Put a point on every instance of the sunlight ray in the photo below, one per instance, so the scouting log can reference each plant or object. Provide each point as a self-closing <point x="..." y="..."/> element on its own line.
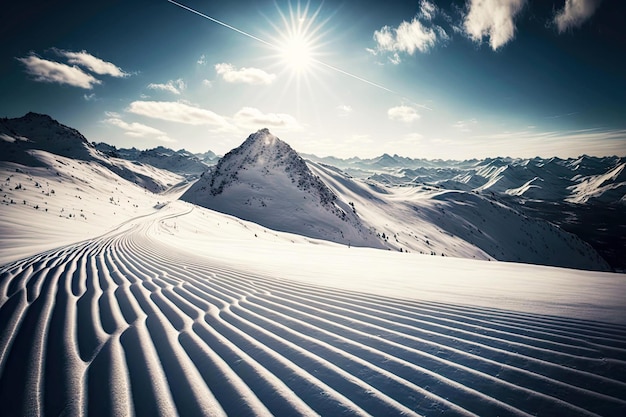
<point x="299" y="58"/>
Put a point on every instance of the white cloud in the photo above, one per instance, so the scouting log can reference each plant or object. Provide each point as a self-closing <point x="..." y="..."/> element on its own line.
<point x="492" y="19"/>
<point x="56" y="72"/>
<point x="427" y="10"/>
<point x="247" y="117"/>
<point x="344" y="110"/>
<point x="173" y="86"/>
<point x="178" y="112"/>
<point x="244" y="75"/>
<point x="412" y="36"/>
<point x="92" y="63"/>
<point x="207" y="83"/>
<point x="201" y="60"/>
<point x="250" y="116"/>
<point x="90" y="97"/>
<point x="403" y="113"/>
<point x="407" y="37"/>
<point x="138" y="130"/>
<point x="575" y="13"/>
<point x="530" y="143"/>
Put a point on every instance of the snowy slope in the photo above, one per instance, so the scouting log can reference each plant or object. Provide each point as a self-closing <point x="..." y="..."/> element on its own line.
<point x="457" y="223"/>
<point x="184" y="312"/>
<point x="65" y="200"/>
<point x="264" y="180"/>
<point x="605" y="187"/>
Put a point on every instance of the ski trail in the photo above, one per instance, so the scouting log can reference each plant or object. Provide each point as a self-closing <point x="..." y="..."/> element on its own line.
<point x="127" y="324"/>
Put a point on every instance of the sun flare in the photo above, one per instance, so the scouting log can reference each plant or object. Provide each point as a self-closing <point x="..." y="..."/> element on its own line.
<point x="296" y="52"/>
<point x="299" y="38"/>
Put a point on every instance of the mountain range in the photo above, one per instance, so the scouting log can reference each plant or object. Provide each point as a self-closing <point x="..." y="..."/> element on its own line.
<point x="494" y="209"/>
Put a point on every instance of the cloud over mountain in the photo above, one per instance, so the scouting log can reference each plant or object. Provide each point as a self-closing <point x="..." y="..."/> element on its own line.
<point x="135" y="129"/>
<point x="250" y="116"/>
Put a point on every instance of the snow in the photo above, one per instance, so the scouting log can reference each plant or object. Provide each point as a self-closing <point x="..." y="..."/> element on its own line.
<point x="185" y="311"/>
<point x="610" y="186"/>
<point x="149" y="305"/>
<point x="64" y="200"/>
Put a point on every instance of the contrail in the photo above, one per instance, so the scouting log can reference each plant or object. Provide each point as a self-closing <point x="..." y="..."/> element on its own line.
<point x="339" y="70"/>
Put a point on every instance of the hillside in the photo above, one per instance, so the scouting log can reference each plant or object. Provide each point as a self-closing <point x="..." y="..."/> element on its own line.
<point x="457" y="223"/>
<point x="21" y="138"/>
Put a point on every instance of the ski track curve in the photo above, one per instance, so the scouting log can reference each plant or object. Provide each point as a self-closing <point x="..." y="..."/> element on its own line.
<point x="124" y="325"/>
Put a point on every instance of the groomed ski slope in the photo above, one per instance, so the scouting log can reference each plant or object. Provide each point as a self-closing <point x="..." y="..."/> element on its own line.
<point x="191" y="312"/>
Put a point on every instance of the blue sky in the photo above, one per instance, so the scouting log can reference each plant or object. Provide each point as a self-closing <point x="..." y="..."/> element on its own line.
<point x="434" y="79"/>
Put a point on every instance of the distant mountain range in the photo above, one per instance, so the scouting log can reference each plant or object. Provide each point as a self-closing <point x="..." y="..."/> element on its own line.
<point x="504" y="209"/>
<point x="576" y="180"/>
<point x="181" y="162"/>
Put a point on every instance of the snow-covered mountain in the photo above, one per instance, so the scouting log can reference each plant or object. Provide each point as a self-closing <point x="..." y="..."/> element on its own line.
<point x="181" y="162"/>
<point x="584" y="196"/>
<point x="265" y="181"/>
<point x="21" y="140"/>
<point x="576" y="180"/>
<point x="39" y="131"/>
<point x="208" y="157"/>
<point x="458" y="223"/>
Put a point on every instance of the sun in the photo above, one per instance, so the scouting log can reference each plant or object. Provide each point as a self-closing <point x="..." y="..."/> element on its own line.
<point x="297" y="53"/>
<point x="299" y="39"/>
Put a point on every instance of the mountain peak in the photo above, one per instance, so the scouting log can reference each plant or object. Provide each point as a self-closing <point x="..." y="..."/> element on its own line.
<point x="266" y="155"/>
<point x="264" y="180"/>
<point x="263" y="138"/>
<point x="32" y="115"/>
